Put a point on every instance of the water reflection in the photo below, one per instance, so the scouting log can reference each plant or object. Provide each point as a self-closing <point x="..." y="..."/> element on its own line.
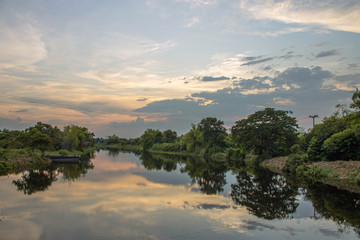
<point x="209" y="175"/>
<point x="155" y="193"/>
<point x="340" y="206"/>
<point x="159" y="161"/>
<point x="35" y="181"/>
<point x="265" y="194"/>
<point x="38" y="180"/>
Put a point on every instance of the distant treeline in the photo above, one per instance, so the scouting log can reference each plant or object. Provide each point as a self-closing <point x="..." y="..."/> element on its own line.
<point x="267" y="133"/>
<point x="45" y="137"/>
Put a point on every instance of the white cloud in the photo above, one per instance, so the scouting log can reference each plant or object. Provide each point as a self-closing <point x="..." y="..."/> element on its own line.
<point x="118" y="46"/>
<point x="192" y="22"/>
<point x="20" y="45"/>
<point x="283" y="101"/>
<point x="335" y="15"/>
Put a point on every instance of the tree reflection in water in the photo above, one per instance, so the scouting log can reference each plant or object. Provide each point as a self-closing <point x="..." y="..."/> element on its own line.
<point x="37" y="180"/>
<point x="266" y="194"/>
<point x="340" y="206"/>
<point x="208" y="174"/>
<point x="159" y="161"/>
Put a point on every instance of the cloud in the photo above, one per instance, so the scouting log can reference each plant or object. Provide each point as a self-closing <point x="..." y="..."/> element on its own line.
<point x="141" y="99"/>
<point x="137" y="127"/>
<point x="247" y="59"/>
<point x="257" y="61"/>
<point x="192" y="22"/>
<point x="327" y="53"/>
<point x="305" y="78"/>
<point x="118" y="47"/>
<point x="283" y="101"/>
<point x="321" y="44"/>
<point x="21" y="43"/>
<point x="334" y="15"/>
<point x="352" y="66"/>
<point x="298" y="89"/>
<point x="17" y="123"/>
<point x="289" y="55"/>
<point x="87" y="107"/>
<point x="20" y="110"/>
<point x="212" y="79"/>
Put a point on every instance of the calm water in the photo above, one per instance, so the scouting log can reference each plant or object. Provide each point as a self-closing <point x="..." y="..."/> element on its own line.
<point x="126" y="196"/>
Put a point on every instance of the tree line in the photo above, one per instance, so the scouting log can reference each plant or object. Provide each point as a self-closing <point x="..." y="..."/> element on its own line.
<point x="268" y="133"/>
<point x="45" y="137"/>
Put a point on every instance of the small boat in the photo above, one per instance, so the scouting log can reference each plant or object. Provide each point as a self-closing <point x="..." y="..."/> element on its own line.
<point x="64" y="158"/>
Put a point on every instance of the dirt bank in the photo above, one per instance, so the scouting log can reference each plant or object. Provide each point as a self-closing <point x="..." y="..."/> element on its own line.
<point x="342" y="174"/>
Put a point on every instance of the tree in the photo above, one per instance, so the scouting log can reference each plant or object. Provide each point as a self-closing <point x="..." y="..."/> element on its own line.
<point x="149" y="138"/>
<point x="214" y="133"/>
<point x="77" y="138"/>
<point x="356" y="100"/>
<point x="53" y="132"/>
<point x="270" y="132"/>
<point x="169" y="136"/>
<point x="193" y="139"/>
<point x="38" y="140"/>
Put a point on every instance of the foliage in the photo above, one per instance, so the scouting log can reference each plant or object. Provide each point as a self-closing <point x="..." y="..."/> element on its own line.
<point x="5" y="168"/>
<point x="169" y="136"/>
<point x="342" y="145"/>
<point x="235" y="158"/>
<point x="45" y="137"/>
<point x="77" y="138"/>
<point x="294" y="161"/>
<point x="37" y="140"/>
<point x="213" y="132"/>
<point x="149" y="138"/>
<point x="10" y="139"/>
<point x="169" y="147"/>
<point x="356" y="100"/>
<point x="269" y="132"/>
<point x="193" y="139"/>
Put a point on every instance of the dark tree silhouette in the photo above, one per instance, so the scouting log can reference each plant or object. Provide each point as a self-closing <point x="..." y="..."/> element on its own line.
<point x="266" y="195"/>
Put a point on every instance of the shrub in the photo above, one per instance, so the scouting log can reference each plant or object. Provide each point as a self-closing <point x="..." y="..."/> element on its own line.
<point x="294" y="161"/>
<point x="341" y="146"/>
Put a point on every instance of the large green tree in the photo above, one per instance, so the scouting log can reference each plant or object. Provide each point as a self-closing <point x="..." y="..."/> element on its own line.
<point x="35" y="139"/>
<point x="268" y="132"/>
<point x="213" y="132"/>
<point x="150" y="137"/>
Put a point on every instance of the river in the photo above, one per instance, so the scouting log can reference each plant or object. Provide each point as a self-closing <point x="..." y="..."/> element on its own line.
<point x="122" y="195"/>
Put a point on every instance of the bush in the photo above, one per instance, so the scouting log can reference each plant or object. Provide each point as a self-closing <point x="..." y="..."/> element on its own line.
<point x="169" y="147"/>
<point x="342" y="146"/>
<point x="5" y="168"/>
<point x="294" y="161"/>
<point x="64" y="152"/>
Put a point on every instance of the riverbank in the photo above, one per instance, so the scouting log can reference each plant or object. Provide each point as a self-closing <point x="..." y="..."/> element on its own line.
<point x="341" y="174"/>
<point x="19" y="160"/>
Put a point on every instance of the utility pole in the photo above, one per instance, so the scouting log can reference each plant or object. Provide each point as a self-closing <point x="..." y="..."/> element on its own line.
<point x="313" y="117"/>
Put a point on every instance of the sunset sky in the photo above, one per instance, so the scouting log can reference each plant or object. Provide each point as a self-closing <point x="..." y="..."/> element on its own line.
<point x="120" y="67"/>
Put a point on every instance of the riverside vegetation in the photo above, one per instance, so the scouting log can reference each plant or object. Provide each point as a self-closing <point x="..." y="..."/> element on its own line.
<point x="25" y="150"/>
<point x="261" y="136"/>
<point x="329" y="152"/>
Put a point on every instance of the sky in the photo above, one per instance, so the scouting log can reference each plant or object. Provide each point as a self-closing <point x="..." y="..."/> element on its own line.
<point x="120" y="67"/>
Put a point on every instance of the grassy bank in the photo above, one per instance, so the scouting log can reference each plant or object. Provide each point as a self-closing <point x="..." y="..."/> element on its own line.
<point x="342" y="174"/>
